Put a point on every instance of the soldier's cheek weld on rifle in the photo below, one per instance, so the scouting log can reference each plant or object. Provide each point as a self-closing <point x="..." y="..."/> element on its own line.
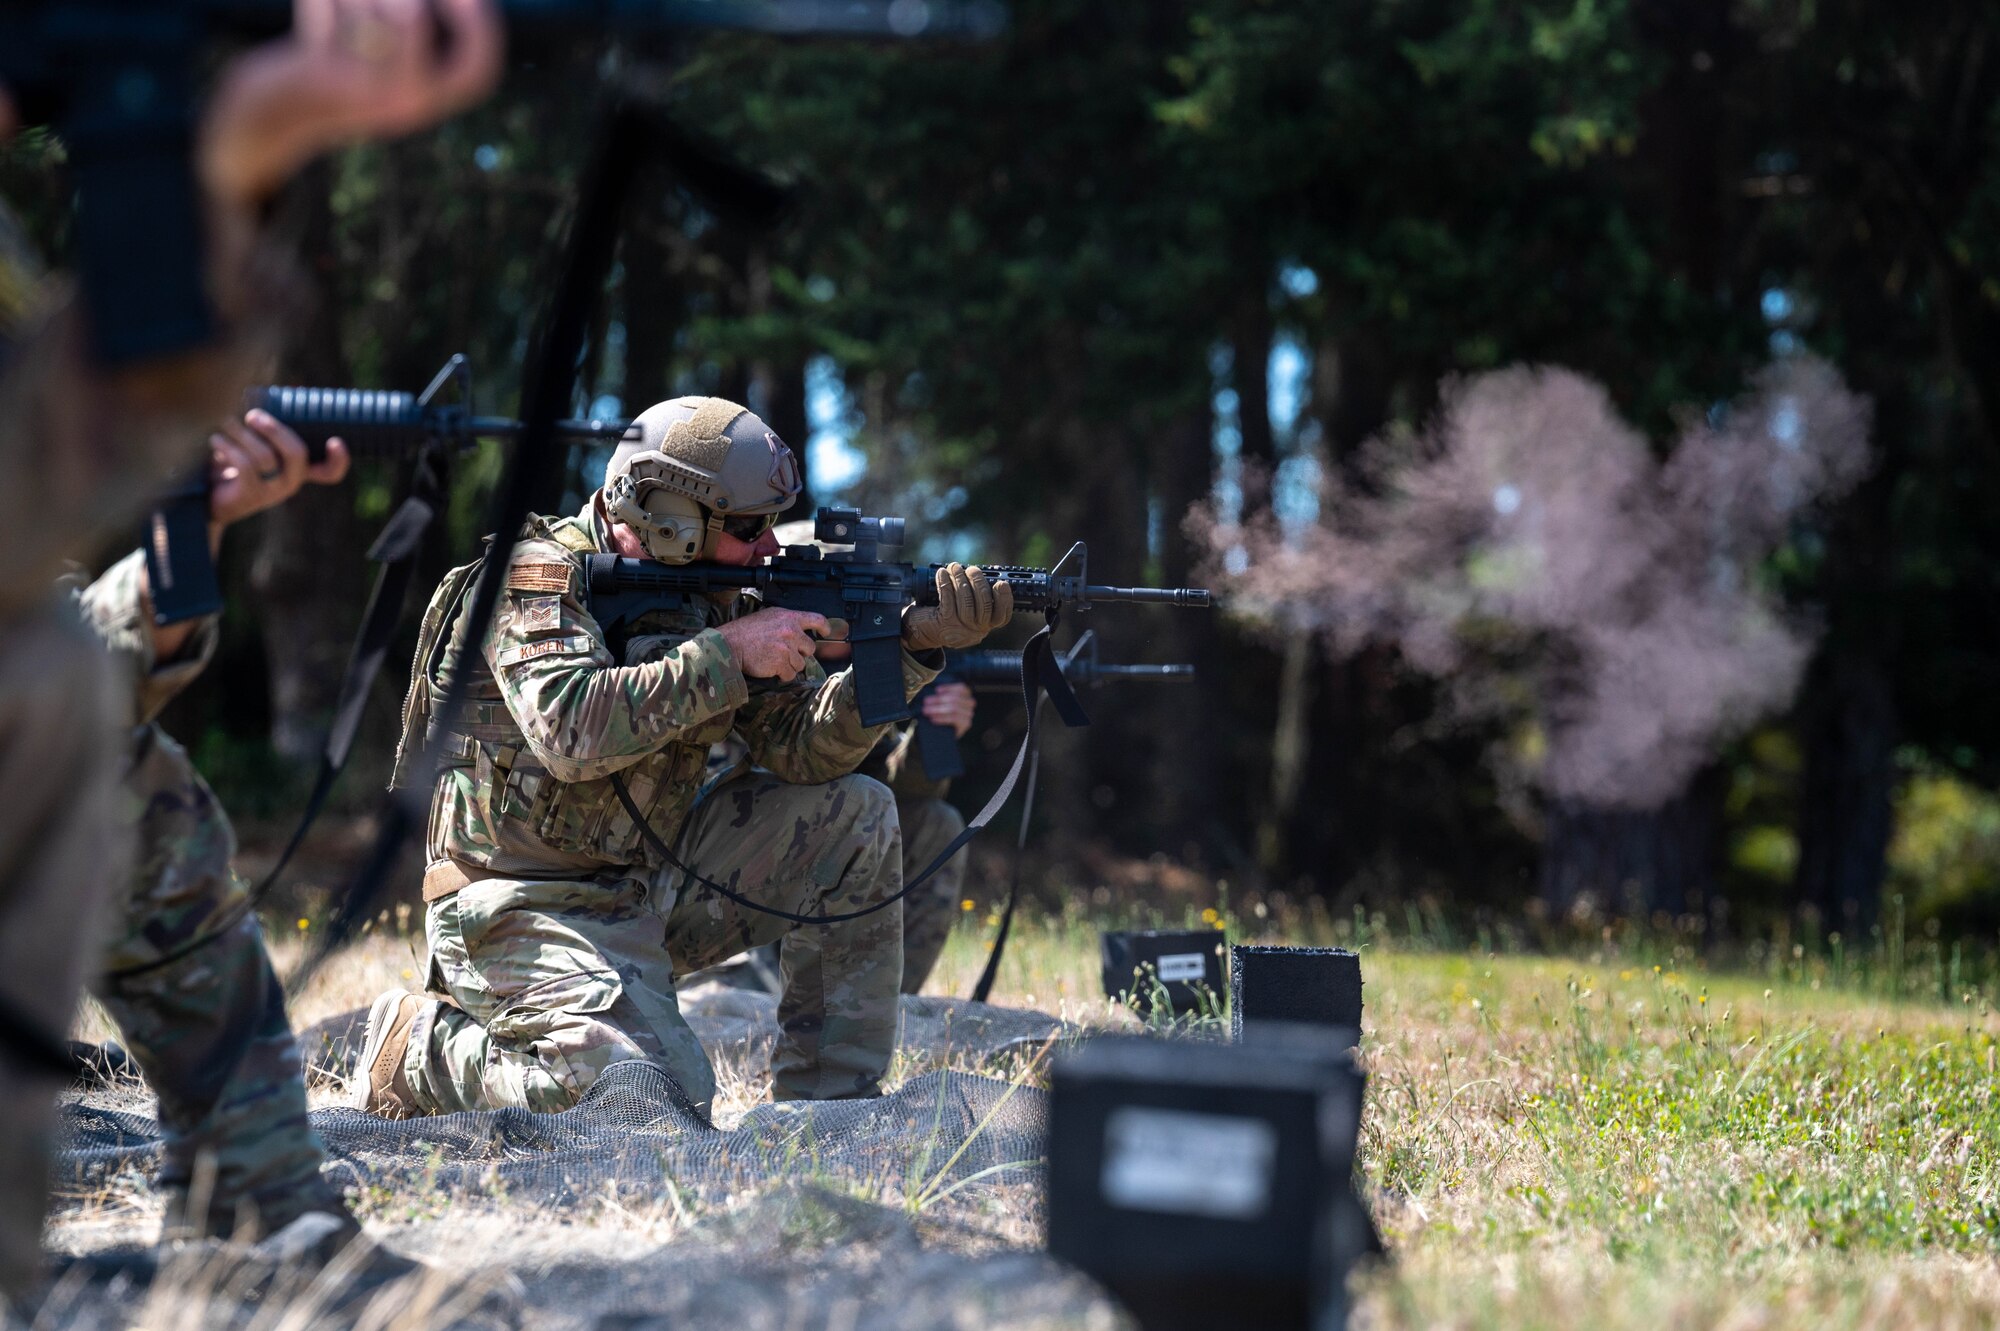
<point x="863" y="589"/>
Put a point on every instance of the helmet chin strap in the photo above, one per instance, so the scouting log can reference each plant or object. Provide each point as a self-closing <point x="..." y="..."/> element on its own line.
<point x="711" y="541"/>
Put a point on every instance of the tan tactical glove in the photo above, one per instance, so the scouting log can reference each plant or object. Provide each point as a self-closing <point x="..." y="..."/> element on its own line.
<point x="970" y="606"/>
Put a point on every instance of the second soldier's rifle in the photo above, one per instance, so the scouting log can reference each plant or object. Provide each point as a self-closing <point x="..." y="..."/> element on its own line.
<point x="990" y="671"/>
<point x="375" y="424"/>
<point x="863" y="593"/>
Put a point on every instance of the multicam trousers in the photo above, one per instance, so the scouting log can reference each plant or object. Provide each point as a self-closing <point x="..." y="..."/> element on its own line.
<point x="208" y="1029"/>
<point x="928" y="913"/>
<point x="550" y="982"/>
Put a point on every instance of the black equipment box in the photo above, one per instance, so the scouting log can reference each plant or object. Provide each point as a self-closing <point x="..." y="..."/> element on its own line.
<point x="1186" y="963"/>
<point x="1210" y="1185"/>
<point x="1308" y="986"/>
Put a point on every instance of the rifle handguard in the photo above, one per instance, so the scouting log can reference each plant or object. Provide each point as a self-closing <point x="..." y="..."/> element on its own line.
<point x="373" y="422"/>
<point x="1036" y="589"/>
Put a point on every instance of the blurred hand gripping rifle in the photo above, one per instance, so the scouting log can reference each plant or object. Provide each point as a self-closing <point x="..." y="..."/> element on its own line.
<point x="866" y="593"/>
<point x="989" y="671"/>
<point x="117" y="79"/>
<point x="374" y="424"/>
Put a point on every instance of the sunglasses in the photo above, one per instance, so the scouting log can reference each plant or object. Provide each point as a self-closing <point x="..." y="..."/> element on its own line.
<point x="749" y="526"/>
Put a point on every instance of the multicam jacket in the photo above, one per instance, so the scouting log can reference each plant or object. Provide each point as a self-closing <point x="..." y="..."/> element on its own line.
<point x="117" y="608"/>
<point x="525" y="786"/>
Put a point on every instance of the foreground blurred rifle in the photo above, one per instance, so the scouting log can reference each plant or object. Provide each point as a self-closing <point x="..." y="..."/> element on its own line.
<point x="866" y="593"/>
<point x="1000" y="672"/>
<point x="117" y="79"/>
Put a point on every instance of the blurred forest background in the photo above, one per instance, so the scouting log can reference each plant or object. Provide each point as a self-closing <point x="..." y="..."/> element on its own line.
<point x="1140" y="256"/>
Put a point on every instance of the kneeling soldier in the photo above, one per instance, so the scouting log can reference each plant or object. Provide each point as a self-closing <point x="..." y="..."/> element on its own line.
<point x="555" y="929"/>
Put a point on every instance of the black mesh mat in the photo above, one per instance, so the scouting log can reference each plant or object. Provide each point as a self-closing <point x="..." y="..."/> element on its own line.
<point x="633" y="1135"/>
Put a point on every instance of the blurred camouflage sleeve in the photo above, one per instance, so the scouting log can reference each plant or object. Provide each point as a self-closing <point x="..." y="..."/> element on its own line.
<point x="810" y="730"/>
<point x="84" y="450"/>
<point x="902" y="769"/>
<point x="584" y="716"/>
<point x="121" y="614"/>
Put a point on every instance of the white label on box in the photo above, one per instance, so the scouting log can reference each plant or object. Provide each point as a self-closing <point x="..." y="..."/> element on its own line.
<point x="1188" y="1164"/>
<point x="1185" y="967"/>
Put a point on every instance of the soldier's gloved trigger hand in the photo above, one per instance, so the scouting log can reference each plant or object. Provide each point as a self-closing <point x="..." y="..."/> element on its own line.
<point x="970" y="606"/>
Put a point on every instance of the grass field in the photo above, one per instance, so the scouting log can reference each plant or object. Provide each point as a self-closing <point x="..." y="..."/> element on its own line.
<point x="1607" y="1141"/>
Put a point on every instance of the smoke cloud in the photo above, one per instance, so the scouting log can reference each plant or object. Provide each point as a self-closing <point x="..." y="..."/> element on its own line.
<point x="1528" y="549"/>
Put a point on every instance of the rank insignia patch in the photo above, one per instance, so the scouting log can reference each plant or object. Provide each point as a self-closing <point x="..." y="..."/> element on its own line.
<point x="541" y="612"/>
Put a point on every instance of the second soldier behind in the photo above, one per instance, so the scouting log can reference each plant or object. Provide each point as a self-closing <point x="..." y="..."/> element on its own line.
<point x="555" y="929"/>
<point x="928" y="819"/>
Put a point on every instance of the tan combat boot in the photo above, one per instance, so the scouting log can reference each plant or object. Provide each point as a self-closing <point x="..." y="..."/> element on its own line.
<point x="380" y="1084"/>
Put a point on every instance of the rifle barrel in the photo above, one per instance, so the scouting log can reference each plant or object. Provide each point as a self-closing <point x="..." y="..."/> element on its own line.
<point x="993" y="668"/>
<point x="1154" y="672"/>
<point x="1183" y="596"/>
<point x="503" y="427"/>
<point x="385" y="423"/>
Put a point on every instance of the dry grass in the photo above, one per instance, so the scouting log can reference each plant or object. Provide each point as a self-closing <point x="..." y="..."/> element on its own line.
<point x="1594" y="1142"/>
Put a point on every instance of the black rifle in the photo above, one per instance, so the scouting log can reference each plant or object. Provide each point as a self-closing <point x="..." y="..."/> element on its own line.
<point x="117" y="79"/>
<point x="856" y="589"/>
<point x="373" y="424"/>
<point x="990" y="671"/>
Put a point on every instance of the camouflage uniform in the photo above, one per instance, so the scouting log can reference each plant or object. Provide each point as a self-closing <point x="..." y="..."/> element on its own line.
<point x="929" y="824"/>
<point x="80" y="453"/>
<point x="208" y="1029"/>
<point x="555" y="931"/>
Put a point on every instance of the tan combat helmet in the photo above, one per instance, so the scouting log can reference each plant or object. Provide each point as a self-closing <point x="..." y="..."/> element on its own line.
<point x="688" y="467"/>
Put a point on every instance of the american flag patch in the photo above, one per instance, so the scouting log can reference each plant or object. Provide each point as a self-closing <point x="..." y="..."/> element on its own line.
<point x="538" y="577"/>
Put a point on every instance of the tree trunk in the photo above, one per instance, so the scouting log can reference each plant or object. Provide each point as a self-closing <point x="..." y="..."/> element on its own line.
<point x="1290" y="744"/>
<point x="1252" y="375"/>
<point x="1849" y="727"/>
<point x="652" y="316"/>
<point x="1183" y="756"/>
<point x="1352" y="383"/>
<point x="1638" y="863"/>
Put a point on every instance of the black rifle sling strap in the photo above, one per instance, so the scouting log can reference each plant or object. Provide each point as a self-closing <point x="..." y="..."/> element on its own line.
<point x="396" y="550"/>
<point x="1055" y="686"/>
<point x="1035" y="678"/>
